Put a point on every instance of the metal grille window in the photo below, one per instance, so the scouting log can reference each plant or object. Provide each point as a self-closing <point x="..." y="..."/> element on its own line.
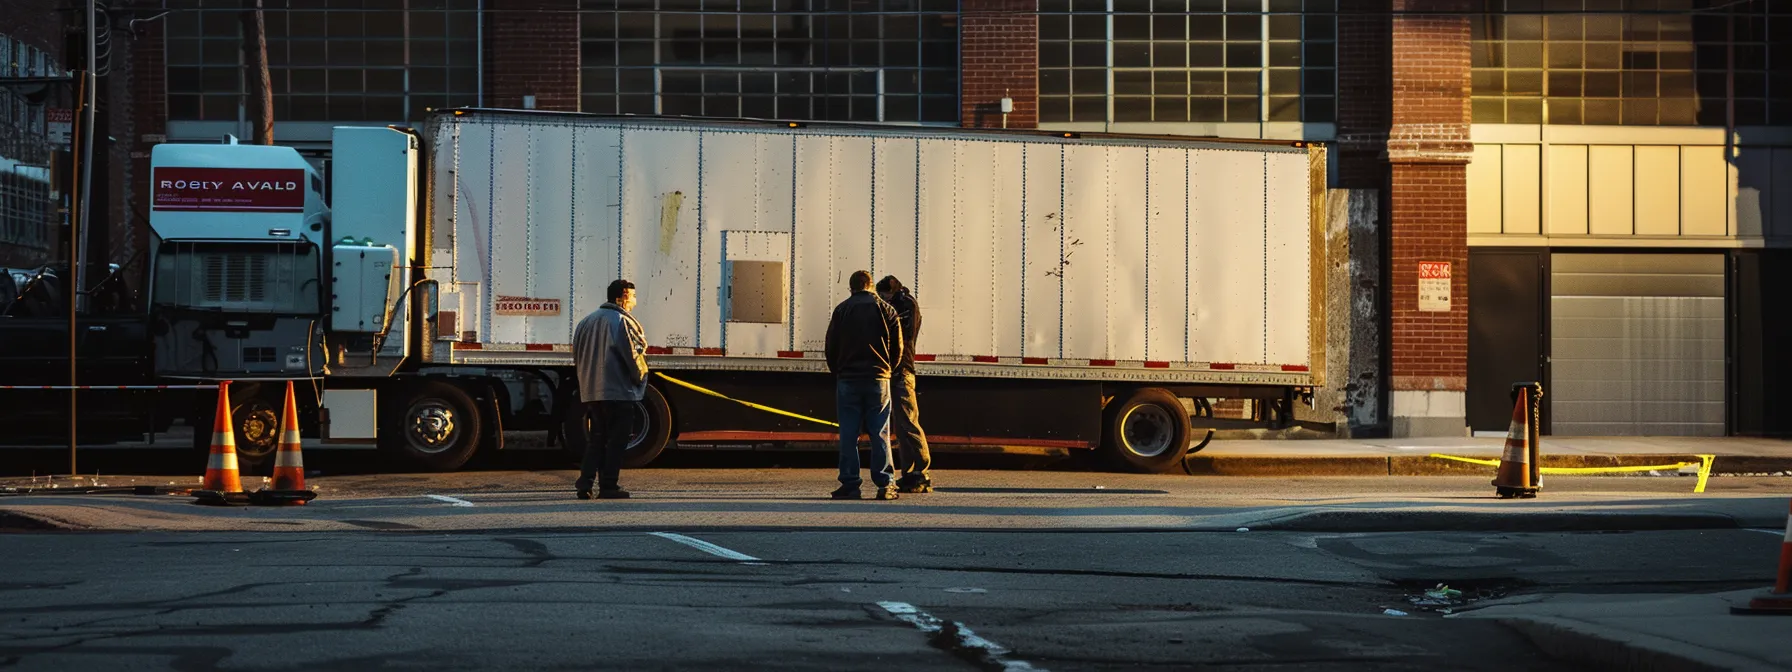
<point x="25" y="208"/>
<point x="22" y="122"/>
<point x="330" y="60"/>
<point x="1187" y="60"/>
<point x="262" y="278"/>
<point x="1664" y="64"/>
<point x="826" y="60"/>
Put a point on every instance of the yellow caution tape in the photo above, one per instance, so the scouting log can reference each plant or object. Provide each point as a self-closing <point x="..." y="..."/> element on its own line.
<point x="747" y="404"/>
<point x="1704" y="465"/>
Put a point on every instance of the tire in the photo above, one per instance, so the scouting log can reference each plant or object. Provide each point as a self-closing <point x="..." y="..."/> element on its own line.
<point x="1147" y="432"/>
<point x="653" y="431"/>
<point x="436" y="426"/>
<point x="255" y="426"/>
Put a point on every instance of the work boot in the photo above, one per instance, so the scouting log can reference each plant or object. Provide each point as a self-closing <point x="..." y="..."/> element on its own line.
<point x="914" y="486"/>
<point x="887" y="492"/>
<point x="612" y="493"/>
<point x="584" y="494"/>
<point x="847" y="492"/>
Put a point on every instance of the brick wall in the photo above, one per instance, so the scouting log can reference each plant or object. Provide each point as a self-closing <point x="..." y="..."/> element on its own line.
<point x="1365" y="93"/>
<point x="1430" y="348"/>
<point x="999" y="45"/>
<point x="145" y="117"/>
<point x="532" y="49"/>
<point x="1428" y="148"/>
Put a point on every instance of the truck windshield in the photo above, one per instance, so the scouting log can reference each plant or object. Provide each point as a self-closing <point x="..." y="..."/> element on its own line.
<point x="259" y="277"/>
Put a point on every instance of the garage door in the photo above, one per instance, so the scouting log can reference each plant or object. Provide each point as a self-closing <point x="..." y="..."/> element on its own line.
<point x="1636" y="345"/>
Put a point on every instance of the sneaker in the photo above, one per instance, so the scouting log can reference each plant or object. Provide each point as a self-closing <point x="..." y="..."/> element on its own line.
<point x="847" y="492"/>
<point x="613" y="493"/>
<point x="887" y="492"/>
<point x="916" y="486"/>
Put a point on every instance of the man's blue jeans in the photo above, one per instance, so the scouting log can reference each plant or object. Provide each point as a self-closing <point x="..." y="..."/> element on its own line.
<point x="864" y="408"/>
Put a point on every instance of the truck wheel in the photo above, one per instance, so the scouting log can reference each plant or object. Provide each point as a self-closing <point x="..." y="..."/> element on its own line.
<point x="257" y="427"/>
<point x="437" y="427"/>
<point x="653" y="431"/>
<point x="1147" y="432"/>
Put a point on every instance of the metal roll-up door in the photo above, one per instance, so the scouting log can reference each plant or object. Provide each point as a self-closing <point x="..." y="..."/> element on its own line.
<point x="1637" y="345"/>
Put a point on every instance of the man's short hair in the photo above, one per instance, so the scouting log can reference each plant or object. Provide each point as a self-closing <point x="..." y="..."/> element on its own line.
<point x="889" y="284"/>
<point x="616" y="289"/>
<point x="860" y="281"/>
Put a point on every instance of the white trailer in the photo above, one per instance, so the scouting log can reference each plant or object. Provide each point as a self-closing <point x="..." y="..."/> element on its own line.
<point x="1078" y="291"/>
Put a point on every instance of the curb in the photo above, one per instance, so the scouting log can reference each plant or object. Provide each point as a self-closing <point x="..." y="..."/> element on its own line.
<point x="1397" y="520"/>
<point x="1425" y="465"/>
<point x="1604" y="649"/>
<point x="17" y="521"/>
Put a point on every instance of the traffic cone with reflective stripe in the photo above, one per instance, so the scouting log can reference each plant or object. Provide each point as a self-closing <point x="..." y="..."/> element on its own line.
<point x="288" y="486"/>
<point x="221" y="484"/>
<point x="1778" y="600"/>
<point x="1517" y="475"/>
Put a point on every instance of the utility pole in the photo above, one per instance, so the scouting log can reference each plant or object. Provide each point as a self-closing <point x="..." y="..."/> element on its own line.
<point x="74" y="283"/>
<point x="257" y="81"/>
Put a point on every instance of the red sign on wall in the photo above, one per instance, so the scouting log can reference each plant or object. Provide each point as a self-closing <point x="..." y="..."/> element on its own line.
<point x="228" y="189"/>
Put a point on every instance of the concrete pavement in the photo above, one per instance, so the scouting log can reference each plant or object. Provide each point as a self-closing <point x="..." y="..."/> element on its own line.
<point x="1674" y="633"/>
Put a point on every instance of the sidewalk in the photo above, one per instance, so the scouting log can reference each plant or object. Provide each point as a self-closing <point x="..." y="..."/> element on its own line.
<point x="1669" y="633"/>
<point x="1413" y="457"/>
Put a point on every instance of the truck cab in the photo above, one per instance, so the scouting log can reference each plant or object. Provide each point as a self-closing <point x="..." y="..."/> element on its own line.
<point x="237" y="278"/>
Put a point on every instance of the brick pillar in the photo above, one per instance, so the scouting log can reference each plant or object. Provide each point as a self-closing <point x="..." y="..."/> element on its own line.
<point x="532" y="49"/>
<point x="144" y="125"/>
<point x="1428" y="150"/>
<point x="999" y="48"/>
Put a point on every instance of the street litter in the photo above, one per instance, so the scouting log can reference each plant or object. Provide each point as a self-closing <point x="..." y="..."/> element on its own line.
<point x="1393" y="612"/>
<point x="1446" y="600"/>
<point x="1244" y="529"/>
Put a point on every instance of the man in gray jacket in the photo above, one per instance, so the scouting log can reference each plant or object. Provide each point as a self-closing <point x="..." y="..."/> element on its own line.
<point x="610" y="350"/>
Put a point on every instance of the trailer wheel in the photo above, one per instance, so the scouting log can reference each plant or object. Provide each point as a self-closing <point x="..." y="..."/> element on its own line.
<point x="437" y="427"/>
<point x="1147" y="432"/>
<point x="653" y="431"/>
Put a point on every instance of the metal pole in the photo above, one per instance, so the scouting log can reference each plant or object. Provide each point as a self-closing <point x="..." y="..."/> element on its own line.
<point x="78" y="272"/>
<point x="68" y="279"/>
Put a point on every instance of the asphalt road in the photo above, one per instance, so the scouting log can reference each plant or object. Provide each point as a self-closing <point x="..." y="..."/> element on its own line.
<point x="822" y="600"/>
<point x="753" y="569"/>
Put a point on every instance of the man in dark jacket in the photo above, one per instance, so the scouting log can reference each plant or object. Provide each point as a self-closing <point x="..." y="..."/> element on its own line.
<point x="864" y="345"/>
<point x="609" y="350"/>
<point x="906" y="418"/>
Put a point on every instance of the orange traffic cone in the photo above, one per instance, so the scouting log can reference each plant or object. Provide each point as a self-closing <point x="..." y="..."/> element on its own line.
<point x="221" y="485"/>
<point x="1778" y="600"/>
<point x="288" y="487"/>
<point x="1517" y="475"/>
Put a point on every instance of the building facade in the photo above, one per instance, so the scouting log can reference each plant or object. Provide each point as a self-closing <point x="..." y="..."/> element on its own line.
<point x="1600" y="187"/>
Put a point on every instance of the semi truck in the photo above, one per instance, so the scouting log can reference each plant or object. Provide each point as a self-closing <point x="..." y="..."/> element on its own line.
<point x="1080" y="291"/>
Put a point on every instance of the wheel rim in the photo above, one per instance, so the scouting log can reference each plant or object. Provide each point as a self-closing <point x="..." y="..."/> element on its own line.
<point x="1147" y="430"/>
<point x="638" y="435"/>
<point x="430" y="426"/>
<point x="257" y="426"/>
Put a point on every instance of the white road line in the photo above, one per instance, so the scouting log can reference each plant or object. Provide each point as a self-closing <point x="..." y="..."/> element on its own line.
<point x="992" y="653"/>
<point x="705" y="546"/>
<point x="450" y="500"/>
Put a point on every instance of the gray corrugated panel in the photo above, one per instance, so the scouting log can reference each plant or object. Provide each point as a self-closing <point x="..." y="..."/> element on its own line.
<point x="1637" y="344"/>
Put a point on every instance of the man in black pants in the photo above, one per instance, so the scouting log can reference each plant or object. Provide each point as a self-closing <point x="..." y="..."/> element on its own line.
<point x="610" y="350"/>
<point x="905" y="421"/>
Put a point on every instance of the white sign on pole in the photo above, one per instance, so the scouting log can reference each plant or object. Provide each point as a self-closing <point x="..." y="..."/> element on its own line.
<point x="60" y="125"/>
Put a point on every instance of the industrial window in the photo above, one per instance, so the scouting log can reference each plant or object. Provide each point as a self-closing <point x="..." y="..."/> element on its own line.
<point x="1187" y="60"/>
<point x="1667" y="63"/>
<point x="329" y="60"/>
<point x="823" y="60"/>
